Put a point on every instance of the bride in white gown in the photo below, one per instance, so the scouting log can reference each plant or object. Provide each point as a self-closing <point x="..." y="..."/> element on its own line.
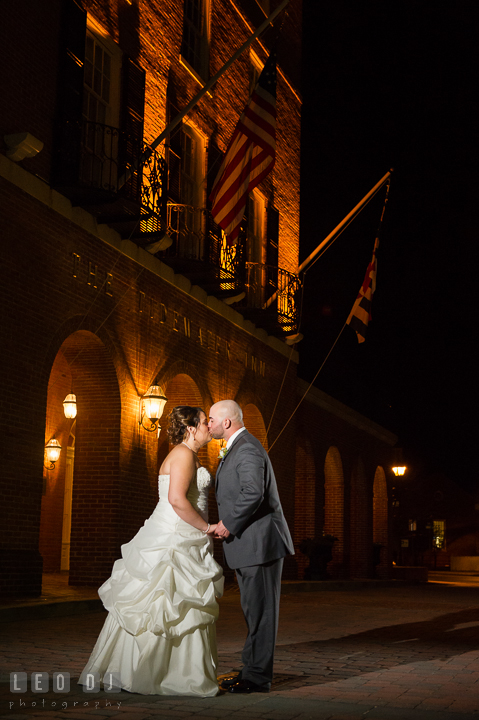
<point x="159" y="637"/>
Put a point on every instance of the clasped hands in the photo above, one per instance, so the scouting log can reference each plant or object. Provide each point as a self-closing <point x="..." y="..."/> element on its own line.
<point x="219" y="531"/>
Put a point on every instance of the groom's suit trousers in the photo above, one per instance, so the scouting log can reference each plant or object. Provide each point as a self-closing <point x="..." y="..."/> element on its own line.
<point x="260" y="588"/>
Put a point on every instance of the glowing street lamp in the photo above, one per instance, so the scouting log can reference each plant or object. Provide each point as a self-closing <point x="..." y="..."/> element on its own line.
<point x="70" y="406"/>
<point x="52" y="451"/>
<point x="399" y="470"/>
<point x="152" y="406"/>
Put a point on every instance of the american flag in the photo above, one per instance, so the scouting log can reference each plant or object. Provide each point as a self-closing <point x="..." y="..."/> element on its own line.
<point x="360" y="315"/>
<point x="250" y="155"/>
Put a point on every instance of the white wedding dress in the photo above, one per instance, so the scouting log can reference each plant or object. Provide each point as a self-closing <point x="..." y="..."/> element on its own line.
<point x="159" y="637"/>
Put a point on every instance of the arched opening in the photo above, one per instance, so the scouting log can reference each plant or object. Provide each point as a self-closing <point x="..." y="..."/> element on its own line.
<point x="334" y="508"/>
<point x="380" y="523"/>
<point x="80" y="505"/>
<point x="182" y="390"/>
<point x="254" y="423"/>
<point x="360" y="560"/>
<point x="305" y="503"/>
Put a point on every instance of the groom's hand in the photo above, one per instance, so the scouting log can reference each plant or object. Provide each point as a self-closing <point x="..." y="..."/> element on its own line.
<point x="221" y="531"/>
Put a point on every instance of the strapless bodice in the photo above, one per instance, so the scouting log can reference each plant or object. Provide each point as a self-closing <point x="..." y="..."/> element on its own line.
<point x="197" y="492"/>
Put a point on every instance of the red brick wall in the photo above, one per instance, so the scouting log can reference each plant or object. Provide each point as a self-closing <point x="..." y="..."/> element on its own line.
<point x="254" y="423"/>
<point x="151" y="34"/>
<point x="58" y="426"/>
<point x="334" y="508"/>
<point x="96" y="497"/>
<point x="305" y="518"/>
<point x="380" y="520"/>
<point x="360" y="535"/>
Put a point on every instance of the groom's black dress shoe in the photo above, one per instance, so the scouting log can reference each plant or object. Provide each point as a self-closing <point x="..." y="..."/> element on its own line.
<point x="247" y="686"/>
<point x="230" y="680"/>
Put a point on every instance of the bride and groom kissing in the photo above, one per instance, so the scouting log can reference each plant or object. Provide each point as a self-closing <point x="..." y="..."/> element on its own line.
<point x="159" y="636"/>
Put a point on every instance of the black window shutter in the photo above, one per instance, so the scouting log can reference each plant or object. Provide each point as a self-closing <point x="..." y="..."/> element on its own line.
<point x="174" y="157"/>
<point x="215" y="158"/>
<point x="272" y="237"/>
<point x="272" y="242"/>
<point x="68" y="122"/>
<point x="214" y="230"/>
<point x="132" y="119"/>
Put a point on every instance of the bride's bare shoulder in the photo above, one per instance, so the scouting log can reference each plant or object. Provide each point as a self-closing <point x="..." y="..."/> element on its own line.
<point x="179" y="455"/>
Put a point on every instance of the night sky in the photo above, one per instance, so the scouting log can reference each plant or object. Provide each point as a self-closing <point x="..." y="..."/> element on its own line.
<point x="395" y="84"/>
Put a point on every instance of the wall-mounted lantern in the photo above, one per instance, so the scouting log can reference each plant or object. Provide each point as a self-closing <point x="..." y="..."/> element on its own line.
<point x="70" y="406"/>
<point x="152" y="405"/>
<point x="52" y="452"/>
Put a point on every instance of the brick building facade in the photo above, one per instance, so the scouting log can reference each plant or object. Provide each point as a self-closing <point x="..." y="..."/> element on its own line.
<point x="116" y="278"/>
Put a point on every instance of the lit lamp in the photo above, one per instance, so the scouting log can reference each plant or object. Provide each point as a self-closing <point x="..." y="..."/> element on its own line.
<point x="52" y="451"/>
<point x="70" y="406"/>
<point x="398" y="461"/>
<point x="152" y="406"/>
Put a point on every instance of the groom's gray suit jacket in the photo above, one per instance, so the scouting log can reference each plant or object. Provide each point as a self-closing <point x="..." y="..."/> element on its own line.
<point x="249" y="505"/>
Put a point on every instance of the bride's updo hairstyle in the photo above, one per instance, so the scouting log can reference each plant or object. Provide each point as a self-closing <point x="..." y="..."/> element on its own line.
<point x="181" y="418"/>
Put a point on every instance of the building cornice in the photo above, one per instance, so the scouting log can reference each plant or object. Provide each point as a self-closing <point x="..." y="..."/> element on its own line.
<point x="335" y="407"/>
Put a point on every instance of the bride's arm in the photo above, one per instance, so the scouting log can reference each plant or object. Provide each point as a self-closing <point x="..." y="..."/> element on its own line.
<point x="182" y="471"/>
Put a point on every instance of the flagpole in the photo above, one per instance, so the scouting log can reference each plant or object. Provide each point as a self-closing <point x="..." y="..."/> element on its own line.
<point x="343" y="222"/>
<point x="331" y="235"/>
<point x="176" y="121"/>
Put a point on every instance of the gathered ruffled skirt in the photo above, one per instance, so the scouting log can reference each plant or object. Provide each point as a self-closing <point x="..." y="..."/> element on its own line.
<point x="159" y="637"/>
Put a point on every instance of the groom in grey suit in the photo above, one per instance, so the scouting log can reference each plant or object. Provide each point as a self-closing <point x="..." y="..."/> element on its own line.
<point x="256" y="539"/>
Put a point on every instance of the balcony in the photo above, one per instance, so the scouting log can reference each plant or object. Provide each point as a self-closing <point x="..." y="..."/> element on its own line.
<point x="101" y="177"/>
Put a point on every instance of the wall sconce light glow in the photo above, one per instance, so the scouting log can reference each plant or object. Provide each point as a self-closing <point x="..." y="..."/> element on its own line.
<point x="152" y="405"/>
<point x="70" y="406"/>
<point x="399" y="470"/>
<point x="52" y="451"/>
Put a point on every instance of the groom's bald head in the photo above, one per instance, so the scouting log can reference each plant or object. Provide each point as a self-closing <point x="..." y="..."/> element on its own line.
<point x="229" y="409"/>
<point x="226" y="417"/>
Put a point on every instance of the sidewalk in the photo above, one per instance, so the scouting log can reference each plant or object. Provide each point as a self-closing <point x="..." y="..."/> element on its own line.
<point x="392" y="652"/>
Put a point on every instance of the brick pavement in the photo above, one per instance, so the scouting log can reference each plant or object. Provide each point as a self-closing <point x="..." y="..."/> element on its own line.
<point x="398" y="652"/>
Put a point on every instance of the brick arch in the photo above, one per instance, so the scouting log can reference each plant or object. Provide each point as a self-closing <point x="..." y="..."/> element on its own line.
<point x="334" y="507"/>
<point x="380" y="519"/>
<point x="71" y="329"/>
<point x="168" y="371"/>
<point x="181" y="389"/>
<point x="83" y="365"/>
<point x="360" y="560"/>
<point x="254" y="422"/>
<point x="305" y="502"/>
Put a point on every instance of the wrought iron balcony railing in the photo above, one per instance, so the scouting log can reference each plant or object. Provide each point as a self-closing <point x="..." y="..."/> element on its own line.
<point x="126" y="185"/>
<point x="264" y="282"/>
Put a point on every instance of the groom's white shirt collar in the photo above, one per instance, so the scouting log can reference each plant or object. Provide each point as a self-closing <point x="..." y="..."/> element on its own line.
<point x="233" y="437"/>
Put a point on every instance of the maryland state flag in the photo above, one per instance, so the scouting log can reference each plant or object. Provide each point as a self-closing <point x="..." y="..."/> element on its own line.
<point x="360" y="315"/>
